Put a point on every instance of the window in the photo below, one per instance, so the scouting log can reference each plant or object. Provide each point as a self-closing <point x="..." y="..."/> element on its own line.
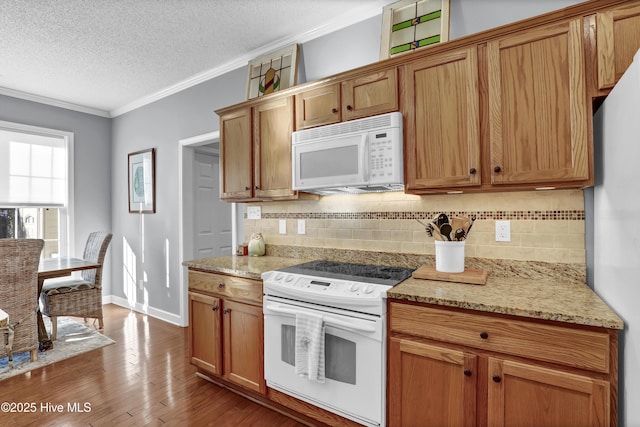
<point x="35" y="185"/>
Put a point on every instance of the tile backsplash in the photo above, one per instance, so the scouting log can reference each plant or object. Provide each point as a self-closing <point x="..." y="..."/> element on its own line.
<point x="546" y="226"/>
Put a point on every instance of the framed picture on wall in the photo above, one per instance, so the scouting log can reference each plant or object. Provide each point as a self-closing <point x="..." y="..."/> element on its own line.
<point x="142" y="181"/>
<point x="408" y="25"/>
<point x="273" y="72"/>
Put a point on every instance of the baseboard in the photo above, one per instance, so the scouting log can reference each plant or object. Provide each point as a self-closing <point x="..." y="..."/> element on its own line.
<point x="174" y="319"/>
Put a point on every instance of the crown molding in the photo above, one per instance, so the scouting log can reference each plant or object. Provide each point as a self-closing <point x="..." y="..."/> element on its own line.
<point x="53" y="102"/>
<point x="357" y="15"/>
<point x="344" y="20"/>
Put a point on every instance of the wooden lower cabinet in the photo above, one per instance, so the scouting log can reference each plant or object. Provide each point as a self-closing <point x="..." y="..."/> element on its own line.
<point x="430" y="385"/>
<point x="243" y="345"/>
<point x="205" y="349"/>
<point x="453" y="367"/>
<point x="524" y="394"/>
<point x="226" y="328"/>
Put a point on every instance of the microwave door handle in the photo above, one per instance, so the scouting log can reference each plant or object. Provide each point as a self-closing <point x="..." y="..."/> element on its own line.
<point x="329" y="320"/>
<point x="365" y="159"/>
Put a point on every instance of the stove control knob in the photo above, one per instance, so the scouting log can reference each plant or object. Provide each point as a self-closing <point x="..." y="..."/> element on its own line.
<point x="279" y="276"/>
<point x="368" y="289"/>
<point x="353" y="287"/>
<point x="288" y="278"/>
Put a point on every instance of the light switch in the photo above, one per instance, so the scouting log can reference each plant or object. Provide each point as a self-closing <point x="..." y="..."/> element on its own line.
<point x="282" y="226"/>
<point x="254" y="212"/>
<point x="302" y="226"/>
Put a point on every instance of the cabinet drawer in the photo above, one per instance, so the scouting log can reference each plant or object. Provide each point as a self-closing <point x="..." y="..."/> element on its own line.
<point x="226" y="286"/>
<point x="572" y="347"/>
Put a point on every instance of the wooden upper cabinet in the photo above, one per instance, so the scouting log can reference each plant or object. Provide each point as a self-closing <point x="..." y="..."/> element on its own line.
<point x="319" y="106"/>
<point x="538" y="106"/>
<point x="361" y="96"/>
<point x="273" y="126"/>
<point x="527" y="394"/>
<point x="618" y="39"/>
<point x="236" y="169"/>
<point x="375" y="93"/>
<point x="442" y="121"/>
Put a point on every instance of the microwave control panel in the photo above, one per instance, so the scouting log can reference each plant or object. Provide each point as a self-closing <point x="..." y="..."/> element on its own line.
<point x="385" y="156"/>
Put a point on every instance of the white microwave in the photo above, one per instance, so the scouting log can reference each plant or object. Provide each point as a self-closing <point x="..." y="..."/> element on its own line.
<point x="357" y="156"/>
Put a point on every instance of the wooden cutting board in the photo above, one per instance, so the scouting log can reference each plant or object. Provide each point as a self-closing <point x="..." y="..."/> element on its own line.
<point x="472" y="277"/>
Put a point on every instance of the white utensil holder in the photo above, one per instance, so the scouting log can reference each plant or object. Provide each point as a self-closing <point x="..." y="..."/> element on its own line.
<point x="449" y="256"/>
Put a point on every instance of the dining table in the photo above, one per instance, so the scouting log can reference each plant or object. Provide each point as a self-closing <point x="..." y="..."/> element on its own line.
<point x="48" y="269"/>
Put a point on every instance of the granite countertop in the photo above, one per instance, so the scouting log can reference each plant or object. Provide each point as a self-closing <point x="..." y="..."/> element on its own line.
<point x="506" y="292"/>
<point x="568" y="302"/>
<point x="243" y="266"/>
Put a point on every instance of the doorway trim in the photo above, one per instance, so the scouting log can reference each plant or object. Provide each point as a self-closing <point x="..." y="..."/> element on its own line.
<point x="186" y="238"/>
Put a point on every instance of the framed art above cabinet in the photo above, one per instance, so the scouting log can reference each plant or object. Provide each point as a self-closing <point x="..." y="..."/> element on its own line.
<point x="273" y="72"/>
<point x="408" y="25"/>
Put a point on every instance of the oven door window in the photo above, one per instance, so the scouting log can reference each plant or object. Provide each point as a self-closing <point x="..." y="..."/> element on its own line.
<point x="354" y="365"/>
<point x="339" y="355"/>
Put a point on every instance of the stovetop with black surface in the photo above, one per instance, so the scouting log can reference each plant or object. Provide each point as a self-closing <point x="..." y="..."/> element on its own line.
<point x="367" y="273"/>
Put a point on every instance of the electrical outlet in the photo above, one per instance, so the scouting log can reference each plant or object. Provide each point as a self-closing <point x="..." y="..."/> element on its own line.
<point x="302" y="227"/>
<point x="503" y="231"/>
<point x="282" y="226"/>
<point x="254" y="212"/>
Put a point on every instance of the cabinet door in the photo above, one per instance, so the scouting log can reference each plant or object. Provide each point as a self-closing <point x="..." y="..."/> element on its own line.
<point x="442" y="132"/>
<point x="529" y="395"/>
<point x="243" y="345"/>
<point x="618" y="39"/>
<point x="320" y="106"/>
<point x="537" y="102"/>
<point x="236" y="169"/>
<point x="205" y="344"/>
<point x="430" y="385"/>
<point x="375" y="93"/>
<point x="273" y="125"/>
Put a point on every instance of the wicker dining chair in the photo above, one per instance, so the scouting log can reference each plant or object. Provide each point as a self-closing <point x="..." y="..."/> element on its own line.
<point x="19" y="259"/>
<point x="77" y="296"/>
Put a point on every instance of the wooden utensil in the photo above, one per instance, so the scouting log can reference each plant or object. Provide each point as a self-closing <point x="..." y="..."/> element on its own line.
<point x="445" y="230"/>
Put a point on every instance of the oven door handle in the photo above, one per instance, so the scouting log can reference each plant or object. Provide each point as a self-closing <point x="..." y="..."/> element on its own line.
<point x="354" y="325"/>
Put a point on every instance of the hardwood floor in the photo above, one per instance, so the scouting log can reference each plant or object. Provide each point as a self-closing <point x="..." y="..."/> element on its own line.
<point x="143" y="379"/>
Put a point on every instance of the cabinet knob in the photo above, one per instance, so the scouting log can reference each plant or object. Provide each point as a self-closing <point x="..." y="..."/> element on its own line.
<point x="484" y="335"/>
<point x="246" y="187"/>
<point x="226" y="310"/>
<point x="497" y="169"/>
<point x="214" y="308"/>
<point x="349" y="107"/>
<point x="472" y="171"/>
<point x="220" y="285"/>
<point x="256" y="187"/>
<point x="467" y="372"/>
<point x="334" y="110"/>
<point x="496" y="378"/>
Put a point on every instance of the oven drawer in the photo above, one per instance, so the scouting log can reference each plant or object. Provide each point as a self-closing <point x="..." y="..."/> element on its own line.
<point x="226" y="286"/>
<point x="579" y="348"/>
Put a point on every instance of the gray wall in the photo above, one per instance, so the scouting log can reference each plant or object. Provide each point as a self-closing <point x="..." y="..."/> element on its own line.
<point x="92" y="164"/>
<point x="190" y="113"/>
<point x="144" y="251"/>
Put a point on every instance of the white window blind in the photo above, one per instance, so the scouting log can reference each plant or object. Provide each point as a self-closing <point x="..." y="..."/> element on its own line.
<point x="33" y="169"/>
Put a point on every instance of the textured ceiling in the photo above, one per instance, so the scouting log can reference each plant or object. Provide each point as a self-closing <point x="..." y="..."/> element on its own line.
<point x="111" y="55"/>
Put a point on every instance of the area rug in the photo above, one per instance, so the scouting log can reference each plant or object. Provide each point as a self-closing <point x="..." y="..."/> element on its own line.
<point x="73" y="339"/>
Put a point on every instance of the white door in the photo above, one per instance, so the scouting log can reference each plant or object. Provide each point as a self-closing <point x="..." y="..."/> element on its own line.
<point x="212" y="217"/>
